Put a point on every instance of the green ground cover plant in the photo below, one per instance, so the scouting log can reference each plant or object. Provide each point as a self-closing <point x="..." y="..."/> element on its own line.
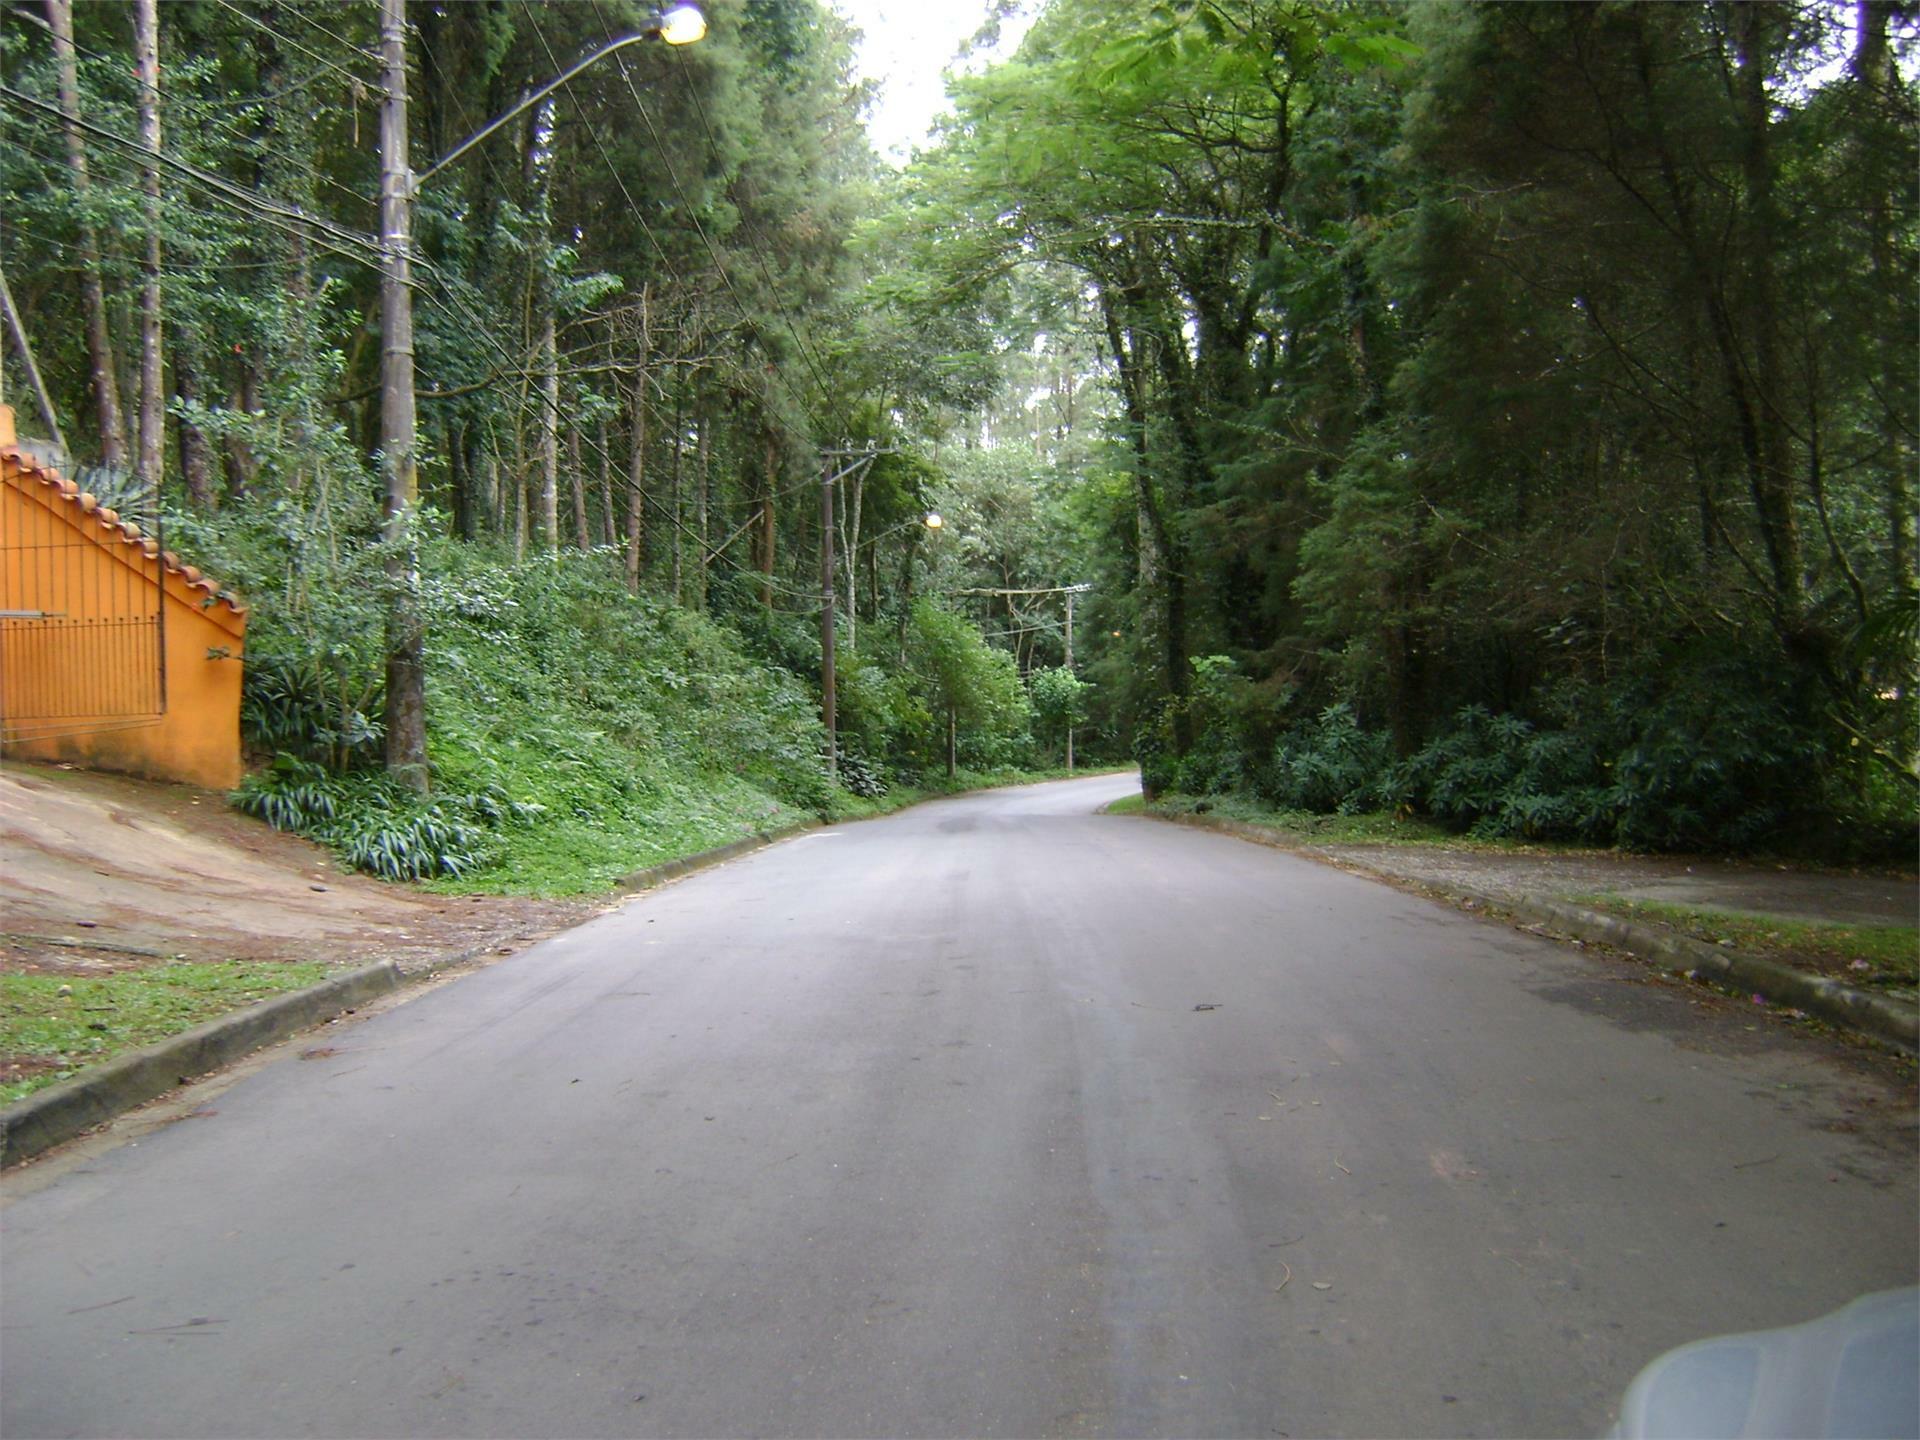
<point x="55" y="1024"/>
<point x="1312" y="828"/>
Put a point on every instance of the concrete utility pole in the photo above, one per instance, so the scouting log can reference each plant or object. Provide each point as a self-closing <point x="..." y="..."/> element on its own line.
<point x="153" y="409"/>
<point x="828" y="714"/>
<point x="1070" y="595"/>
<point x="406" y="666"/>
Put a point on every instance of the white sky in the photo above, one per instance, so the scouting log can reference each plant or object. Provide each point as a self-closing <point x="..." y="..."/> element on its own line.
<point x="906" y="47"/>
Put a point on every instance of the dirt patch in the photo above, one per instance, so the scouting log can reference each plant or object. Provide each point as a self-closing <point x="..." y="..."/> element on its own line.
<point x="102" y="872"/>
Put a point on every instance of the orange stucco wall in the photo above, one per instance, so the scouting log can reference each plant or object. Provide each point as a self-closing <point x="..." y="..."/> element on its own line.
<point x="86" y="688"/>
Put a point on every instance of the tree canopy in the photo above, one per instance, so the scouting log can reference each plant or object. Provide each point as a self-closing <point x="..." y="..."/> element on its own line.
<point x="1503" y="411"/>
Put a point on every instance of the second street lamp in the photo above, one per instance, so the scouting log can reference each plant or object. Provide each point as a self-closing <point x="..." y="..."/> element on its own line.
<point x="406" y="706"/>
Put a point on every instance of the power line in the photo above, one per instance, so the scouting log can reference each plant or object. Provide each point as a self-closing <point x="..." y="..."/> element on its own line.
<point x="693" y="216"/>
<point x="252" y="200"/>
<point x="291" y="43"/>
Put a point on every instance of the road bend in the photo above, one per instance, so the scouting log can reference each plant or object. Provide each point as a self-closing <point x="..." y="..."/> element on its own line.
<point x="1000" y="1117"/>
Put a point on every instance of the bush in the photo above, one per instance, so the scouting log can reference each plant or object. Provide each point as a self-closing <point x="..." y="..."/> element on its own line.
<point x="372" y="823"/>
<point x="1498" y="776"/>
<point x="1329" y="764"/>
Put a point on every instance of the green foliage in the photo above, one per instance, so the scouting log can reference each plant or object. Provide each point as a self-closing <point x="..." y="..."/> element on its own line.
<point x="1329" y="764"/>
<point x="857" y="775"/>
<point x="375" y="824"/>
<point x="971" y="691"/>
<point x="1060" y="700"/>
<point x="1496" y="775"/>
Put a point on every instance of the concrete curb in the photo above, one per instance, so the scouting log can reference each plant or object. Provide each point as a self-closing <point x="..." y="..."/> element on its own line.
<point x="1892" y="1022"/>
<point x="58" y="1113"/>
<point x="1877" y="1016"/>
<point x="673" y="869"/>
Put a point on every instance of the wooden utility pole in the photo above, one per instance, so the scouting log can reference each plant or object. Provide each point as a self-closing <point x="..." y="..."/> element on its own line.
<point x="406" y="667"/>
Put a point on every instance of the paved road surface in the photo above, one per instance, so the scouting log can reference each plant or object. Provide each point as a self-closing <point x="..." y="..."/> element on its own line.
<point x="999" y="1117"/>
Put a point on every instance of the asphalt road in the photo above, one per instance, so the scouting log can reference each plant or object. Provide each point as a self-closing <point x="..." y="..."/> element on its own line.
<point x="999" y="1117"/>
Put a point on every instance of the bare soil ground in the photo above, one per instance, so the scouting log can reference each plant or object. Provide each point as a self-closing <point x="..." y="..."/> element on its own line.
<point x="103" y="872"/>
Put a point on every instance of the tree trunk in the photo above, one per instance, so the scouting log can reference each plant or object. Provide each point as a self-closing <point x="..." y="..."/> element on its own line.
<point x="701" y="502"/>
<point x="1873" y="72"/>
<point x="16" y="327"/>
<point x="581" y="539"/>
<point x="769" y="488"/>
<point x="106" y="383"/>
<point x="637" y="461"/>
<point x="243" y="470"/>
<point x="607" y="524"/>
<point x="153" y="400"/>
<point x="460" y="480"/>
<point x="673" y="487"/>
<point x="549" y="429"/>
<point x="196" y="452"/>
<point x="1772" y="475"/>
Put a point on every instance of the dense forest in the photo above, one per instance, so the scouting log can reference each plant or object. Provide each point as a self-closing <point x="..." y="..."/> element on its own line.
<point x="1500" y="413"/>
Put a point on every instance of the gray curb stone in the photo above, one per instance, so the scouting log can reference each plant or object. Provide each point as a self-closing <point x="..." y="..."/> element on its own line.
<point x="1879" y="1017"/>
<point x="56" y="1114"/>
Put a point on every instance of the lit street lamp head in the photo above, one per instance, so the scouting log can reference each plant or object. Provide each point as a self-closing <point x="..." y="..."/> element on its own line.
<point x="932" y="520"/>
<point x="682" y="25"/>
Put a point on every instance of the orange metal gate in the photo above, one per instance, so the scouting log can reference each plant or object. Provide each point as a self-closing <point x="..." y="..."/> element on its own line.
<point x="82" y="627"/>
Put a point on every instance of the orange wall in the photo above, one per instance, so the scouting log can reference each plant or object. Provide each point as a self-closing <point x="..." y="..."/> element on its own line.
<point x="104" y="578"/>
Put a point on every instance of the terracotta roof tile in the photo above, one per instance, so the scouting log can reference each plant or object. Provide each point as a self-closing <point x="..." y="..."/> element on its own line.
<point x="130" y="533"/>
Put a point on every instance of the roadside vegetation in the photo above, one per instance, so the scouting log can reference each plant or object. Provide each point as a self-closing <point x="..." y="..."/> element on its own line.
<point x="1499" y="418"/>
<point x="51" y="1025"/>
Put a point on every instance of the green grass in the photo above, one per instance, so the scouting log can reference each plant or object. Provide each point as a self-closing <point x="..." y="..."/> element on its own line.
<point x="1889" y="953"/>
<point x="1373" y="828"/>
<point x="102" y="1016"/>
<point x="588" y="852"/>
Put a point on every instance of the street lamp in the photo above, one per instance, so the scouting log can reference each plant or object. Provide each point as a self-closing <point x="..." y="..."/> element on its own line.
<point x="406" y="669"/>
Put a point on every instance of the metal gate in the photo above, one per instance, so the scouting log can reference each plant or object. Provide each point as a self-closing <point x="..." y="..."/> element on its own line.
<point x="82" y="620"/>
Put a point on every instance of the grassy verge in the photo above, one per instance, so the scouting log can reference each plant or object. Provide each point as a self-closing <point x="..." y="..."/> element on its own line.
<point x="590" y="853"/>
<point x="1374" y="828"/>
<point x="1883" y="956"/>
<point x="52" y="1025"/>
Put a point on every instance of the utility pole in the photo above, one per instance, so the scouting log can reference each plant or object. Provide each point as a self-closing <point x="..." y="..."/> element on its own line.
<point x="406" y="667"/>
<point x="148" y="443"/>
<point x="1067" y="590"/>
<point x="1070" y="595"/>
<point x="406" y="662"/>
<point x="827" y="697"/>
